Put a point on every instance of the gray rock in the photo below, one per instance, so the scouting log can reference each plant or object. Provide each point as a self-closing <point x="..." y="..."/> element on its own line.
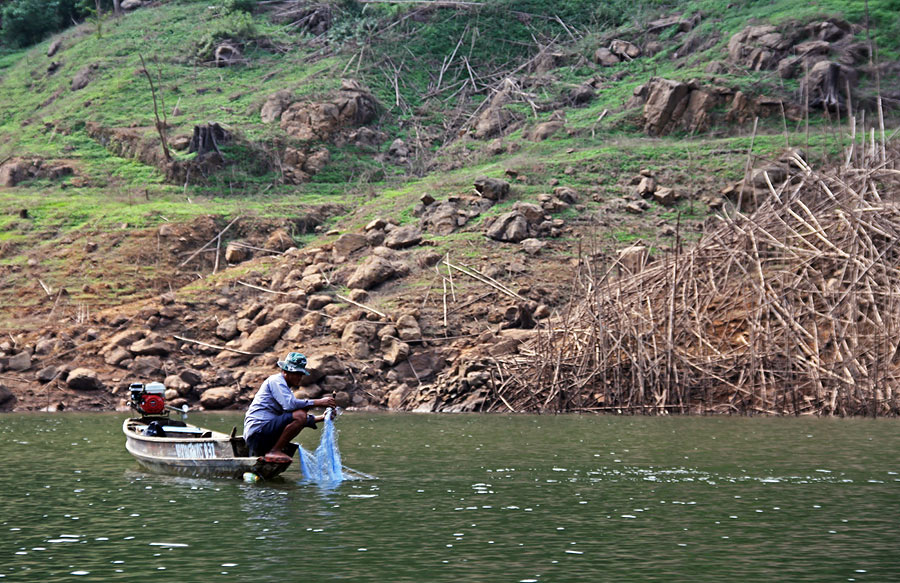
<point x="533" y="246"/>
<point x="46" y="374"/>
<point x="492" y="188"/>
<point x="227" y="329"/>
<point x="218" y="397"/>
<point x="403" y="237"/>
<point x="19" y="362"/>
<point x="191" y="377"/>
<point x="408" y="328"/>
<point x="84" y="379"/>
<point x="510" y="227"/>
<point x="348" y="243"/>
<point x="265" y="336"/>
<point x="117" y="356"/>
<point x="357" y="337"/>
<point x="82" y="77"/>
<point x="54" y="47"/>
<point x="624" y="49"/>
<point x="371" y="272"/>
<point x="275" y="105"/>
<point x="7" y="398"/>
<point x="145" y="367"/>
<point x="396" y="353"/>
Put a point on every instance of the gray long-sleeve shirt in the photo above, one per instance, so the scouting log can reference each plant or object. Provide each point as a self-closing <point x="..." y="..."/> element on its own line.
<point x="273" y="398"/>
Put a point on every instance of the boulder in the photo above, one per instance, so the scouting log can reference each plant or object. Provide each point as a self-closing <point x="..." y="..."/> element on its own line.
<point x="218" y="397"/>
<point x="7" y="398"/>
<point x="545" y="130"/>
<point x="47" y="374"/>
<point x="19" y="362"/>
<point x="408" y="328"/>
<point x="566" y="194"/>
<point x="624" y="50"/>
<point x="279" y="240"/>
<point x="54" y="47"/>
<point x="227" y="54"/>
<point x="227" y="329"/>
<point x="121" y="339"/>
<point x="492" y="188"/>
<point x="403" y="237"/>
<point x="533" y="212"/>
<point x="275" y="105"/>
<point x="665" y="196"/>
<point x="191" y="377"/>
<point x="264" y="337"/>
<point x="116" y="356"/>
<point x="131" y="4"/>
<point x="320" y="365"/>
<point x="605" y="58"/>
<point x="357" y="337"/>
<point x="318" y="301"/>
<point x="666" y="101"/>
<point x="371" y="272"/>
<point x="533" y="246"/>
<point x="235" y="253"/>
<point x="84" y="379"/>
<point x="145" y="366"/>
<point x="347" y="243"/>
<point x="632" y="259"/>
<point x="151" y="346"/>
<point x="510" y="227"/>
<point x="396" y="353"/>
<point x="175" y="382"/>
<point x="398" y="396"/>
<point x="83" y="77"/>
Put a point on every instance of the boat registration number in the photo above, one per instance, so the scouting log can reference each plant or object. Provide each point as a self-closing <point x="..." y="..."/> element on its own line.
<point x="195" y="450"/>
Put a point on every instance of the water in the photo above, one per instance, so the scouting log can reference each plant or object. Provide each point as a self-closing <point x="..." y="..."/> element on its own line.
<point x="467" y="498"/>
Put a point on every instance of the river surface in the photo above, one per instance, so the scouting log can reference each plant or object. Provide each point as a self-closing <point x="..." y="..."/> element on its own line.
<point x="467" y="498"/>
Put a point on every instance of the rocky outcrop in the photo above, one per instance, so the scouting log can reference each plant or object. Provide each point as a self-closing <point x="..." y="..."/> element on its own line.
<point x="373" y="271"/>
<point x="320" y="121"/>
<point x="16" y="170"/>
<point x="84" y="379"/>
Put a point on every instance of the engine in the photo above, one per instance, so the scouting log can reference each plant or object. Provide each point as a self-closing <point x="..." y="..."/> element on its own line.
<point x="149" y="399"/>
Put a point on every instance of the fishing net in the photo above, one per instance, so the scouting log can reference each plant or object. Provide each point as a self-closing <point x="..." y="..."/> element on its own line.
<point x="324" y="464"/>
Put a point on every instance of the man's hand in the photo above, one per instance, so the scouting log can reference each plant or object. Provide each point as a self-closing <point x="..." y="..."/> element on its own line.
<point x="324" y="402"/>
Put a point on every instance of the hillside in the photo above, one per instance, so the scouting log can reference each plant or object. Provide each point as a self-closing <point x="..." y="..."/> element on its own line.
<point x="412" y="194"/>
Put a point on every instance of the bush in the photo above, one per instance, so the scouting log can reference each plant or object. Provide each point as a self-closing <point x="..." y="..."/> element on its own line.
<point x="237" y="27"/>
<point x="240" y="5"/>
<point x="26" y="22"/>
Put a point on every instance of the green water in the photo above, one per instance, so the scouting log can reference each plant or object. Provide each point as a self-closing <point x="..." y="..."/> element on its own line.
<point x="467" y="498"/>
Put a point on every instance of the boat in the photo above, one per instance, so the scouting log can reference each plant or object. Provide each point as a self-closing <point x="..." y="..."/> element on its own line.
<point x="163" y="444"/>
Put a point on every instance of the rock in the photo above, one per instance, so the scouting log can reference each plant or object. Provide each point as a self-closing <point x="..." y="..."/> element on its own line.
<point x="605" y="58"/>
<point x="151" y="346"/>
<point x="227" y="329"/>
<point x="396" y="353"/>
<point x="624" y="49"/>
<point x="646" y="187"/>
<point x="227" y="54"/>
<point x="7" y="398"/>
<point x="235" y="253"/>
<point x="545" y="130"/>
<point x="47" y="374"/>
<point x="632" y="259"/>
<point x="408" y="328"/>
<point x="665" y="102"/>
<point x="318" y="301"/>
<point x="218" y="397"/>
<point x="533" y="246"/>
<point x="83" y="77"/>
<point x="398" y="396"/>
<point x="371" y="272"/>
<point x="131" y="4"/>
<point x="191" y="377"/>
<point x="757" y="47"/>
<point x="84" y="379"/>
<point x="279" y="240"/>
<point x="347" y="243"/>
<point x="665" y="196"/>
<point x="288" y="311"/>
<point x="636" y="207"/>
<point x="54" y="47"/>
<point x="510" y="227"/>
<point x="533" y="213"/>
<point x="403" y="237"/>
<point x="19" y="362"/>
<point x="13" y="172"/>
<point x="176" y="383"/>
<point x="566" y="194"/>
<point x="320" y="365"/>
<point x="116" y="356"/>
<point x="398" y="149"/>
<point x="492" y="188"/>
<point x="275" y="105"/>
<point x="145" y="367"/>
<point x="357" y="337"/>
<point x="582" y="94"/>
<point x="826" y="82"/>
<point x="419" y="366"/>
<point x="342" y="399"/>
<point x="264" y="337"/>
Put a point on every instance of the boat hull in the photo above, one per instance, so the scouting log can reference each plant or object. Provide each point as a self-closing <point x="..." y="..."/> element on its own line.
<point x="200" y="453"/>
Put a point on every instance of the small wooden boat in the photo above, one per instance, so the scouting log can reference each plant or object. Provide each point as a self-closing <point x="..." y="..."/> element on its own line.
<point x="188" y="450"/>
<point x="167" y="445"/>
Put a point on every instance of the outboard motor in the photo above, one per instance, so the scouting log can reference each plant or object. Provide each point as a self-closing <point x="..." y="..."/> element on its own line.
<point x="149" y="399"/>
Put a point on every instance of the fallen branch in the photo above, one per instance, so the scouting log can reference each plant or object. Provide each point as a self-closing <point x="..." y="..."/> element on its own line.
<point x="192" y="341"/>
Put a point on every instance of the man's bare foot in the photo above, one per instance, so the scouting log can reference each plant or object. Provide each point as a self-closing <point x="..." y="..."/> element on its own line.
<point x="277" y="456"/>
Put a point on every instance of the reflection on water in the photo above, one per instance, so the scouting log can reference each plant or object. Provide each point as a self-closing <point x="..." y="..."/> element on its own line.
<point x="467" y="498"/>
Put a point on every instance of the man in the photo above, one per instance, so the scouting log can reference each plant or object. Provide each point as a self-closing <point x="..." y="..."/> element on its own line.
<point x="275" y="416"/>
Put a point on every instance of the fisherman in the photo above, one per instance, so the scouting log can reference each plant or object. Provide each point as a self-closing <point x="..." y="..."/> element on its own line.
<point x="276" y="416"/>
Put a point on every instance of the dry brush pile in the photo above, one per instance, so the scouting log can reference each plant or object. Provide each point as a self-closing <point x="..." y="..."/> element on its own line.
<point x="791" y="309"/>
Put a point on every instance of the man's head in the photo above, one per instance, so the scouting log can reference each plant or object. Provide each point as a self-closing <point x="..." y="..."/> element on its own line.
<point x="294" y="367"/>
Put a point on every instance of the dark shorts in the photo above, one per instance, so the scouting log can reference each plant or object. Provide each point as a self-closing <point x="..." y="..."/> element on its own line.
<point x="263" y="439"/>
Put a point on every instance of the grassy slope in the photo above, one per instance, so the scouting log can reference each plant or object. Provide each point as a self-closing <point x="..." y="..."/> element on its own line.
<point x="41" y="116"/>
